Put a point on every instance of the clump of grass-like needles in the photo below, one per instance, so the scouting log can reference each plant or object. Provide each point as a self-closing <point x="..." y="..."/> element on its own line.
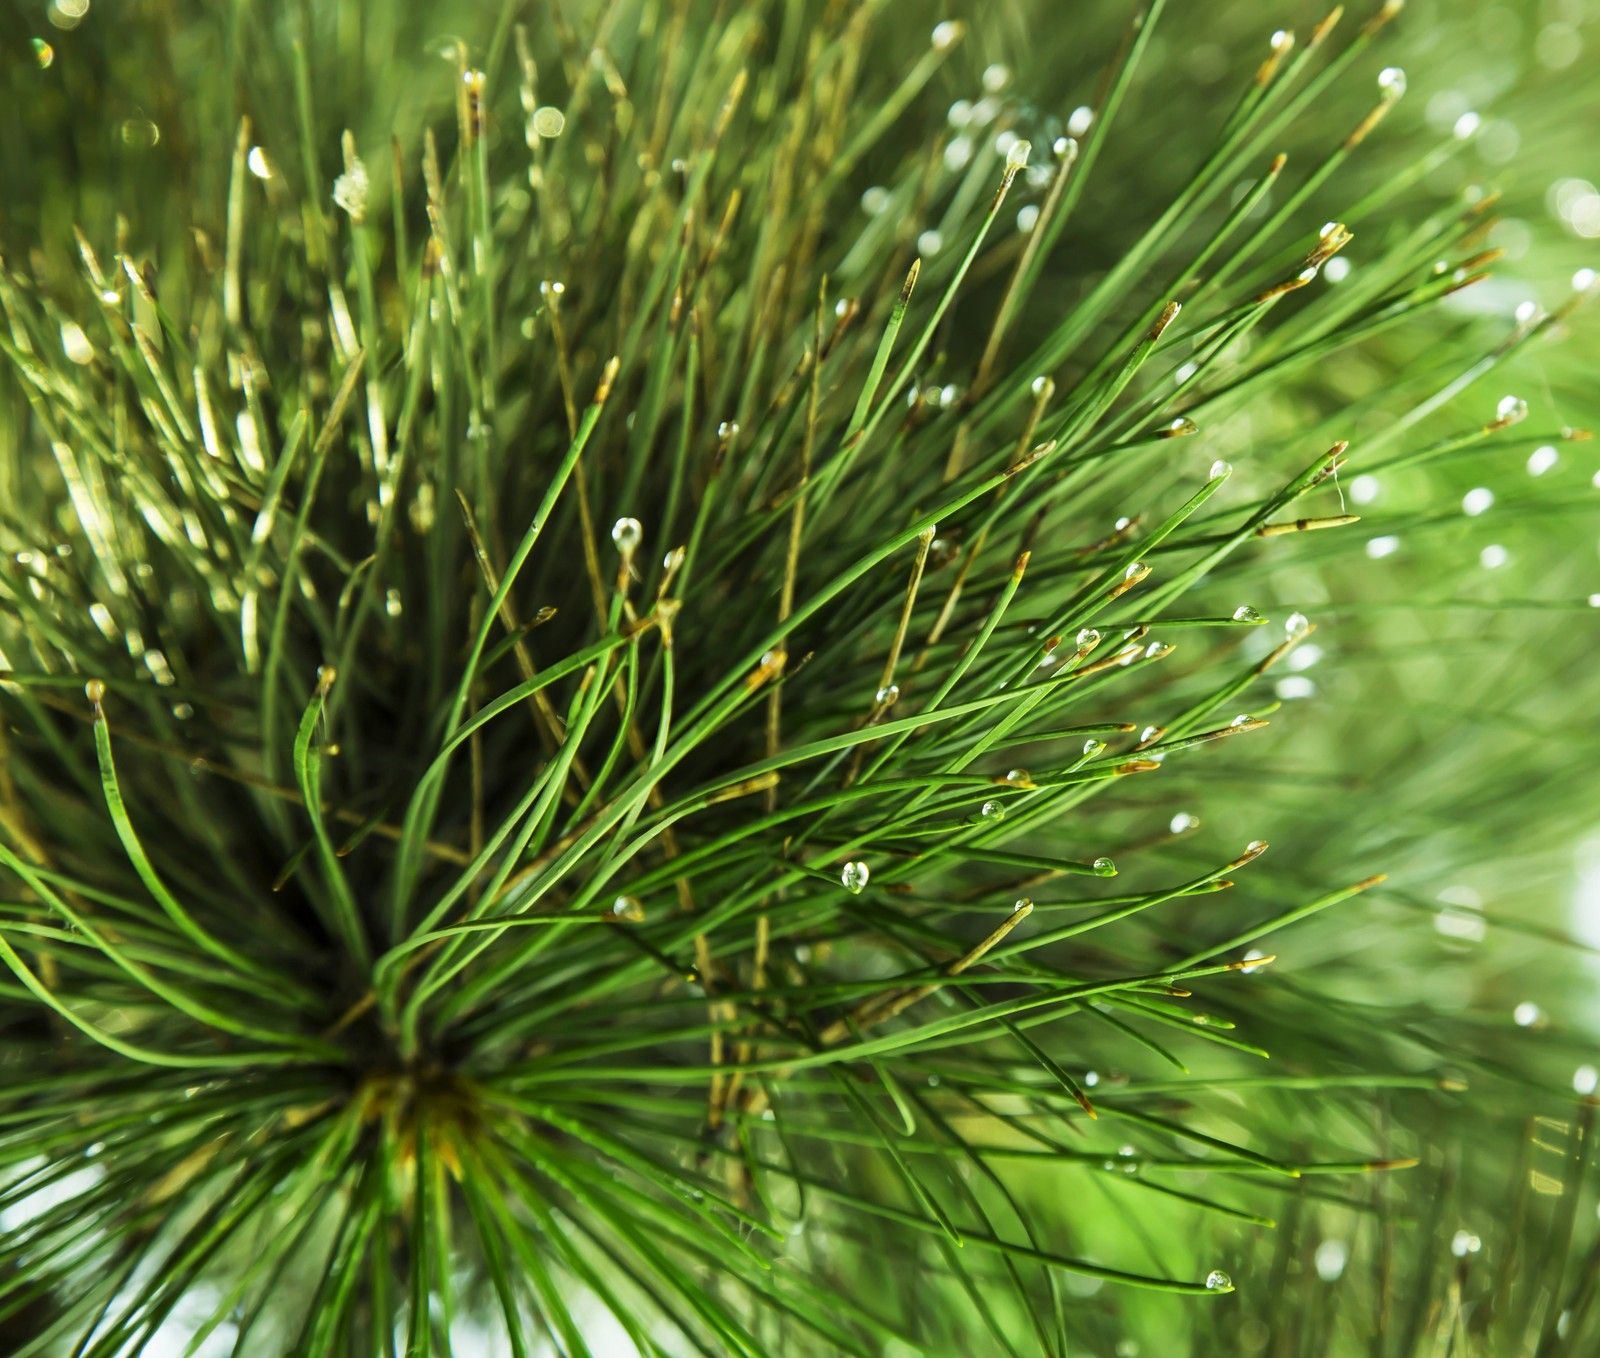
<point x="575" y="722"/>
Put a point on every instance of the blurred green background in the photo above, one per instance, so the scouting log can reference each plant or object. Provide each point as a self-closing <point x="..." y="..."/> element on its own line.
<point x="1443" y="723"/>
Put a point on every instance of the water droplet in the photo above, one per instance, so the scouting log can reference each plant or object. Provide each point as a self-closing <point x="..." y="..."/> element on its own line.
<point x="1296" y="624"/>
<point x="1541" y="459"/>
<point x="1183" y="427"/>
<point x="875" y="200"/>
<point x="628" y="908"/>
<point x="1526" y="312"/>
<point x="1254" y="955"/>
<point x="1463" y="1243"/>
<point x="1148" y="734"/>
<point x="1028" y="218"/>
<point x="1134" y="571"/>
<point x="1066" y="148"/>
<point x="1392" y="82"/>
<point x="996" y="77"/>
<point x="1494" y="556"/>
<point x="551" y="287"/>
<point x="95" y="691"/>
<point x="1182" y="823"/>
<point x="1386" y="545"/>
<point x="1295" y="686"/>
<point x="1080" y="120"/>
<point x="549" y="121"/>
<point x="854" y="876"/>
<point x="960" y="113"/>
<point x="627" y="534"/>
<point x="75" y="344"/>
<point x="1583" y="280"/>
<point x="1256" y="847"/>
<point x="1041" y="385"/>
<point x="728" y="430"/>
<point x="1017" y="154"/>
<point x="930" y="243"/>
<point x="1594" y="601"/>
<point x="992" y="811"/>
<point x="1022" y="903"/>
<point x="1467" y="125"/>
<point x="1156" y="649"/>
<point x="1511" y="410"/>
<point x="886" y="695"/>
<point x="1364" y="489"/>
<point x="1092" y="747"/>
<point x="1243" y="719"/>
<point x="1221" y="468"/>
<point x="350" y="190"/>
<point x="958" y="153"/>
<point x="43" y="53"/>
<point x="1244" y="613"/>
<point x="1218" y="1281"/>
<point x="1086" y="638"/>
<point x="258" y="163"/>
<point x="947" y="34"/>
<point x="1016" y="775"/>
<point x="1330" y="1259"/>
<point x="1585" y="1079"/>
<point x="1526" y="1014"/>
<point x="1337" y="269"/>
<point x="1476" y="500"/>
<point x="392" y="604"/>
<point x="1105" y="867"/>
<point x="140" y="133"/>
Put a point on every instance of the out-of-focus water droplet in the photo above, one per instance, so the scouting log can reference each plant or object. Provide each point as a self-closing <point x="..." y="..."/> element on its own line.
<point x="1463" y="1243"/>
<point x="854" y="876"/>
<point x="627" y="534"/>
<point x="43" y="53"/>
<point x="1182" y="823"/>
<point x="960" y="113"/>
<point x="1384" y="545"/>
<point x="1028" y="218"/>
<point x="1296" y="624"/>
<point x="886" y="695"/>
<point x="258" y="163"/>
<point x="549" y="121"/>
<point x="728" y="430"/>
<point x="1221" y="468"/>
<point x="1017" y="154"/>
<point x="1494" y="556"/>
<point x="1392" y="82"/>
<point x="551" y="288"/>
<point x="1080" y="120"/>
<point x="350" y="190"/>
<point x="1330" y="1259"/>
<point x="140" y="133"/>
<point x="1066" y="148"/>
<point x="947" y="34"/>
<point x="1584" y="279"/>
<point x="1466" y="126"/>
<point x="1526" y="1014"/>
<point x="1253" y="956"/>
<point x="958" y="153"/>
<point x="1541" y="459"/>
<point x="1218" y="1281"/>
<point x="875" y="200"/>
<point x="1364" y="489"/>
<point x="1476" y="501"/>
<point x="1040" y="385"/>
<point x="1337" y="269"/>
<point x="1244" y="613"/>
<point x="996" y="76"/>
<point x="1511" y="410"/>
<point x="75" y="344"/>
<point x="930" y="242"/>
<point x="183" y="711"/>
<point x="1585" y="1079"/>
<point x="392" y="604"/>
